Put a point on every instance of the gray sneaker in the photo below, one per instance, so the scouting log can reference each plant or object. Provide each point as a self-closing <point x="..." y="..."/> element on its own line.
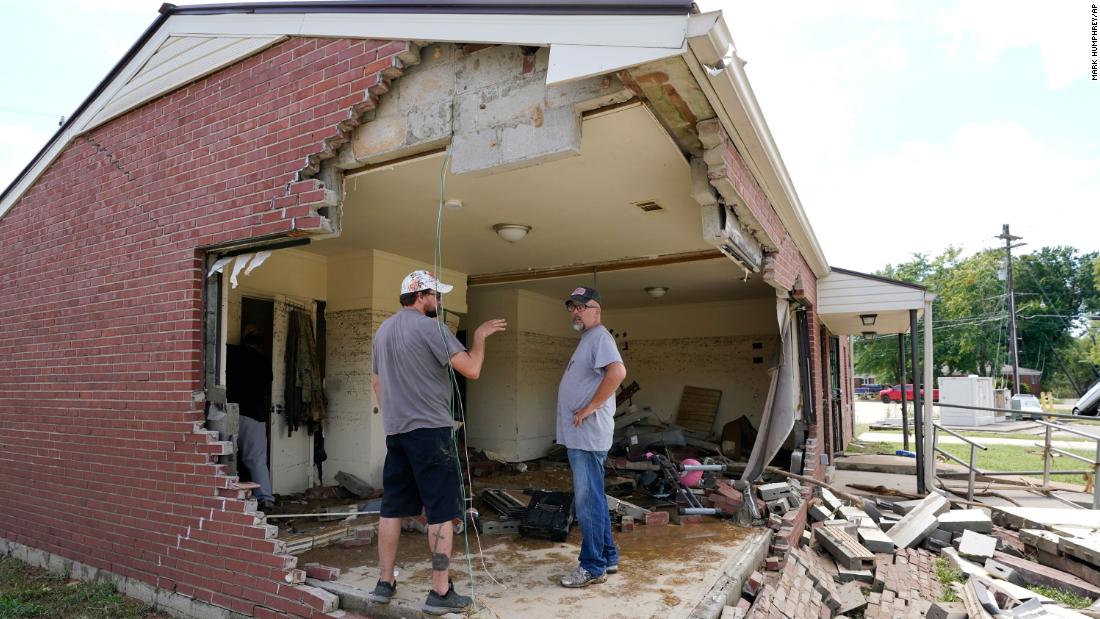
<point x="581" y="577"/>
<point x="612" y="569"/>
<point x="383" y="591"/>
<point x="442" y="604"/>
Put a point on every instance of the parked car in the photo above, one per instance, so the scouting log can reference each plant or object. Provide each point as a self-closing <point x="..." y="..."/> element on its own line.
<point x="1089" y="404"/>
<point x="893" y="394"/>
<point x="869" y="392"/>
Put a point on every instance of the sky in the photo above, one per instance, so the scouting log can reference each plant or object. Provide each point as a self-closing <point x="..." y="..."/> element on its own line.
<point x="907" y="127"/>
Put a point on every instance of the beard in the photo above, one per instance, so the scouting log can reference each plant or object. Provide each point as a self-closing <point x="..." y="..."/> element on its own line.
<point x="431" y="313"/>
<point x="578" y="326"/>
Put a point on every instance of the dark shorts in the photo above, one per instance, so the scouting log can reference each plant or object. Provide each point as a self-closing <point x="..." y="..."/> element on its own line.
<point x="421" y="474"/>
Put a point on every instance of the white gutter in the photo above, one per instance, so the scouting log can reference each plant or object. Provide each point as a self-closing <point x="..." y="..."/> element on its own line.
<point x="713" y="59"/>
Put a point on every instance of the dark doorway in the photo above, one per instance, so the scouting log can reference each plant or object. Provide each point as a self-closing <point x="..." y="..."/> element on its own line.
<point x="261" y="314"/>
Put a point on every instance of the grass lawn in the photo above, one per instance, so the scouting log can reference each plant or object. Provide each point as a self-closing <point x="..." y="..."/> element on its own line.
<point x="27" y="591"/>
<point x="997" y="458"/>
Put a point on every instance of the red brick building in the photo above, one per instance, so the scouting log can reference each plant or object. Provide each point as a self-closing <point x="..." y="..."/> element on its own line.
<point x="322" y="137"/>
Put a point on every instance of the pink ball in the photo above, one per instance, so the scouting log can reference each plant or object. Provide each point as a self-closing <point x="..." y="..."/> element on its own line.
<point x="691" y="479"/>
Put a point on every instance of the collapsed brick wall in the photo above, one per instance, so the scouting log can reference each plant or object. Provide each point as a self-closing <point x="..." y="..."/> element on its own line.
<point x="102" y="458"/>
<point x="784" y="265"/>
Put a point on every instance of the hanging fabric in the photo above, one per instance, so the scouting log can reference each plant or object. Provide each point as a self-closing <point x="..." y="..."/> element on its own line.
<point x="303" y="398"/>
<point x="783" y="404"/>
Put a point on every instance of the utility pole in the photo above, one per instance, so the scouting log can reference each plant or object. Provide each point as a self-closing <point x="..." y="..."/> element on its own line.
<point x="1014" y="349"/>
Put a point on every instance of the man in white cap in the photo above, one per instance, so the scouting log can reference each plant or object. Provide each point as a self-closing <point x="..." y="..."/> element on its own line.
<point x="411" y="354"/>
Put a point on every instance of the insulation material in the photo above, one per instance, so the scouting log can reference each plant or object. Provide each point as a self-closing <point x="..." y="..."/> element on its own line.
<point x="783" y="405"/>
<point x="243" y="262"/>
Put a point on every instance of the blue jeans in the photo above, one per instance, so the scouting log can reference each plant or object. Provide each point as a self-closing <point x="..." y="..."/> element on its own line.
<point x="597" y="547"/>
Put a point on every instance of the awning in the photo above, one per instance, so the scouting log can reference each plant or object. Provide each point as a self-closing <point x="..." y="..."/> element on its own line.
<point x="848" y="300"/>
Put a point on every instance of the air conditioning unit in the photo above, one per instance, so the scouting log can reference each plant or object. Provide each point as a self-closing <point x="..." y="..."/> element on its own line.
<point x="722" y="229"/>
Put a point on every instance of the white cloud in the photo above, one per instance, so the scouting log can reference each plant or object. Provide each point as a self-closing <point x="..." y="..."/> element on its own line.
<point x="1060" y="30"/>
<point x="929" y="196"/>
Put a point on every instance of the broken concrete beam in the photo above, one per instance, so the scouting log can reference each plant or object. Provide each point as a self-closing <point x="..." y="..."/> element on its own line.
<point x="1036" y="574"/>
<point x="819" y="513"/>
<point x="831" y="502"/>
<point x="904" y="507"/>
<point x="947" y="610"/>
<point x="851" y="597"/>
<point x="941" y="536"/>
<point x="1047" y="541"/>
<point x="977" y="546"/>
<point x="919" y="522"/>
<point x="624" y="508"/>
<point x="959" y="520"/>
<point x="1014" y="517"/>
<point x="1004" y="572"/>
<point x="779" y="506"/>
<point x="849" y="512"/>
<point x="772" y="492"/>
<point x="875" y="540"/>
<point x="846" y="575"/>
<point x="848" y="552"/>
<point x="1085" y="548"/>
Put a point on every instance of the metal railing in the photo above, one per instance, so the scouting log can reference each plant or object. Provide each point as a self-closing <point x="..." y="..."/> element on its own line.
<point x="1048" y="451"/>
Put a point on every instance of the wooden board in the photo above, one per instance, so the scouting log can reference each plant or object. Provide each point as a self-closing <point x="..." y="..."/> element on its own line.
<point x="698" y="408"/>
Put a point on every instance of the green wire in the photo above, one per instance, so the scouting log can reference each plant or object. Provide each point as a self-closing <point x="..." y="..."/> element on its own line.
<point x="438" y="265"/>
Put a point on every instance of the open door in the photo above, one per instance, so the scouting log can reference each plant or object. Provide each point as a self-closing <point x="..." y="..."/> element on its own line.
<point x="291" y="449"/>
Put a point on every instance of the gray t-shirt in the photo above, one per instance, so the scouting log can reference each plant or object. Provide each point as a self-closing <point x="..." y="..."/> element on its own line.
<point x="586" y="368"/>
<point x="410" y="358"/>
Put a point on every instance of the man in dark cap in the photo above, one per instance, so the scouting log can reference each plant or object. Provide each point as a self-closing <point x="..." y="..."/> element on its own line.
<point x="586" y="408"/>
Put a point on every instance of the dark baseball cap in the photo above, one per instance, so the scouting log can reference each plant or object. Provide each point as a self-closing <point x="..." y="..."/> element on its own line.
<point x="582" y="295"/>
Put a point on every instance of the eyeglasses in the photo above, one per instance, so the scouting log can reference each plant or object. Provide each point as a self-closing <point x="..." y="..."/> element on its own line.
<point x="577" y="307"/>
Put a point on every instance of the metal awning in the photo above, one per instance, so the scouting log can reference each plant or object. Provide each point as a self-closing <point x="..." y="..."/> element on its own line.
<point x="844" y="297"/>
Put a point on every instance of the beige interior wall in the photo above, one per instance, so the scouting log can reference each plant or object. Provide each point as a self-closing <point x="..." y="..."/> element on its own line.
<point x="363" y="291"/>
<point x="298" y="275"/>
<point x="512" y="408"/>
<point x="668" y="347"/>
<point x="492" y="401"/>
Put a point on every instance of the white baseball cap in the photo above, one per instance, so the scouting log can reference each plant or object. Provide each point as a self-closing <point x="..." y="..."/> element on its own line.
<point x="423" y="280"/>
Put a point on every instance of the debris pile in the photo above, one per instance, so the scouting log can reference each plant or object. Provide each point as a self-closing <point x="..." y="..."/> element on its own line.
<point x="925" y="558"/>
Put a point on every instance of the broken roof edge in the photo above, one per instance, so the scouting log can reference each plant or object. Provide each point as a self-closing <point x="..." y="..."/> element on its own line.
<point x="712" y="45"/>
<point x="654" y="19"/>
<point x="502" y="7"/>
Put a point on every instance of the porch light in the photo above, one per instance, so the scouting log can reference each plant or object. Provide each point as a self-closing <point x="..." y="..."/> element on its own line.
<point x="511" y="232"/>
<point x="868" y="336"/>
<point x="657" y="291"/>
<point x="868" y="319"/>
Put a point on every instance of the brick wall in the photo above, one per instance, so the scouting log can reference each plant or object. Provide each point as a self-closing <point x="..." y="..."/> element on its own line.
<point x="102" y="457"/>
<point x="784" y="266"/>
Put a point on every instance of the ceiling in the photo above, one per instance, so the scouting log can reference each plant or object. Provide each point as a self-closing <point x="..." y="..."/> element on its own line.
<point x="580" y="208"/>
<point x="693" y="282"/>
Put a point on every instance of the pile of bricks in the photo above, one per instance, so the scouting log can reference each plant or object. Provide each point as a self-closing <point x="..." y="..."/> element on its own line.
<point x="781" y="497"/>
<point x="801" y="589"/>
<point x="905" y="584"/>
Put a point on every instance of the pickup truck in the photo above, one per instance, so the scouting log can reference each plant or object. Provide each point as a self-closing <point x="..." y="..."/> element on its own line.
<point x="893" y="394"/>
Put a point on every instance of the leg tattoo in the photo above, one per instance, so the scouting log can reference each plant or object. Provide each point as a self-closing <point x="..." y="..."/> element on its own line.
<point x="440" y="562"/>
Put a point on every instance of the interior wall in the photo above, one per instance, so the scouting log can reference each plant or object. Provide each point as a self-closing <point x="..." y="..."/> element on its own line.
<point x="363" y="291"/>
<point x="512" y="408"/>
<point x="727" y="346"/>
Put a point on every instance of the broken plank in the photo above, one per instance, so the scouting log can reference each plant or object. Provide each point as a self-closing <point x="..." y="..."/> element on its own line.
<point x="848" y="553"/>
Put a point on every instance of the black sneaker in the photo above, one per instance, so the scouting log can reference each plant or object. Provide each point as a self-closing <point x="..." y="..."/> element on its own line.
<point x="443" y="604"/>
<point x="383" y="591"/>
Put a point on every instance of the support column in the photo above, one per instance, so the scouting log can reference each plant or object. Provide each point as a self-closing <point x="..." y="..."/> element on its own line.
<point x="929" y="462"/>
<point x="901" y="378"/>
<point x="916" y="400"/>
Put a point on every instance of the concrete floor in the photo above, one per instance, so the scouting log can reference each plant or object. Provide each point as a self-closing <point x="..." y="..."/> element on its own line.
<point x="664" y="572"/>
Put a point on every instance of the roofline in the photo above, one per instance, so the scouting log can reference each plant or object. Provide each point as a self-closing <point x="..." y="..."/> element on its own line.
<point x="879" y="278"/>
<point x="711" y="42"/>
<point x="501" y="7"/>
<point x="103" y="84"/>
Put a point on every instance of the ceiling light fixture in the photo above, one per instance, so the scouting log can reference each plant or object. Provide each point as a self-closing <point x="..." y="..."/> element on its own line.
<point x="868" y="319"/>
<point x="657" y="291"/>
<point x="868" y="336"/>
<point x="453" y="204"/>
<point x="511" y="232"/>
